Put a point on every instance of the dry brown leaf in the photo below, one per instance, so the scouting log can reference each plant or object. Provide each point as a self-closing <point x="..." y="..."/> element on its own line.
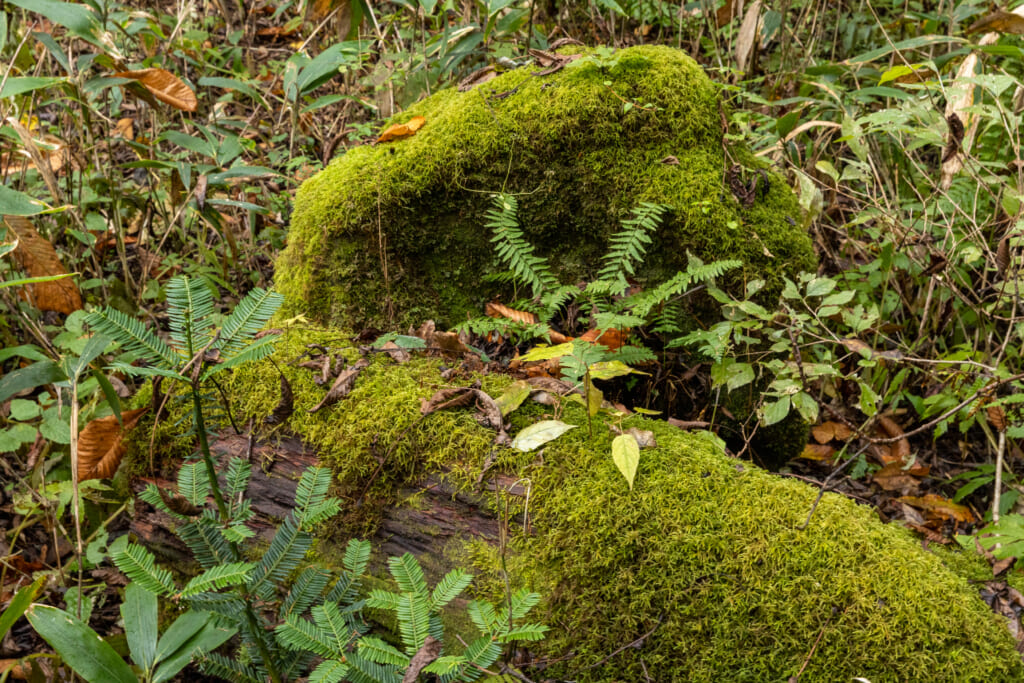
<point x="488" y="411"/>
<point x="125" y="128"/>
<point x="612" y="338"/>
<point x="494" y="310"/>
<point x="342" y="386"/>
<point x="165" y="86"/>
<point x="37" y="257"/>
<point x="827" y="431"/>
<point x="900" y="450"/>
<point x="749" y="33"/>
<point x="477" y="77"/>
<point x="1000" y="21"/>
<point x="936" y="506"/>
<point x="428" y="652"/>
<point x="996" y="417"/>
<point x="402" y="130"/>
<point x="725" y="13"/>
<point x="1003" y="255"/>
<point x="100" y="447"/>
<point x="817" y="451"/>
<point x="892" y="477"/>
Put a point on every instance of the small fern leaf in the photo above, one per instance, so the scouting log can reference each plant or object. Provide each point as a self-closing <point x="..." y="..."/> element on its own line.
<point x="532" y="632"/>
<point x="133" y="336"/>
<point x="362" y="670"/>
<point x="330" y="671"/>
<point x="190" y="309"/>
<point x="483" y="616"/>
<point x="248" y="317"/>
<point x="299" y="634"/>
<point x="522" y="602"/>
<point x="216" y="578"/>
<point x="312" y="489"/>
<point x="258" y="350"/>
<point x="285" y="553"/>
<point x="236" y="479"/>
<point x="382" y="599"/>
<point x="203" y="537"/>
<point x="448" y="588"/>
<point x="229" y="669"/>
<point x="304" y="592"/>
<point x="628" y="247"/>
<point x="338" y="623"/>
<point x="413" y="621"/>
<point x="139" y="565"/>
<point x="376" y="650"/>
<point x="513" y="249"/>
<point x="193" y="483"/>
<point x="408" y="575"/>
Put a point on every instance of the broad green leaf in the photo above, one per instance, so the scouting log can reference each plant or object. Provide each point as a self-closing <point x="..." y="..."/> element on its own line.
<point x="594" y="398"/>
<point x="839" y="298"/>
<point x="210" y="637"/>
<point x="612" y="368"/>
<point x="626" y="456"/>
<point x="19" y="85"/>
<point x="536" y="435"/>
<point x="16" y="203"/>
<point x="909" y="44"/>
<point x="77" y="18"/>
<point x="868" y="400"/>
<point x="180" y="632"/>
<point x="820" y="286"/>
<point x="775" y="412"/>
<point x="79" y="646"/>
<point x="21" y="601"/>
<point x="806" y="406"/>
<point x="139" y="611"/>
<point x="513" y="396"/>
<point x="35" y="375"/>
<point x="544" y="352"/>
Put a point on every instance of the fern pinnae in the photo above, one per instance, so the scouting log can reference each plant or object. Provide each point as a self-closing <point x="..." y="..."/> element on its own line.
<point x="408" y="574"/>
<point x="330" y="671"/>
<point x="306" y="589"/>
<point x="247" y="318"/>
<point x="229" y="669"/>
<point x="449" y="588"/>
<point x="628" y="246"/>
<point x="134" y="337"/>
<point x="218" y="577"/>
<point x="190" y="309"/>
<point x="139" y="565"/>
<point x="513" y="249"/>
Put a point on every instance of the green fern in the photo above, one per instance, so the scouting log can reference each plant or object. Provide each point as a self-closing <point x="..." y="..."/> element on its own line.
<point x="285" y="553"/>
<point x="306" y="590"/>
<point x="628" y="247"/>
<point x="513" y="249"/>
<point x="139" y="565"/>
<point x="193" y="483"/>
<point x="218" y="577"/>
<point x="230" y="669"/>
<point x="190" y="308"/>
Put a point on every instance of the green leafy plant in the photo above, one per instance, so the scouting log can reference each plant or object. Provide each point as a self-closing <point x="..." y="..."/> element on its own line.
<point x="156" y="657"/>
<point x="364" y="658"/>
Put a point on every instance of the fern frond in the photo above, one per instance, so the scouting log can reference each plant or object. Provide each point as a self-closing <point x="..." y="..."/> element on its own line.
<point x="483" y="652"/>
<point x="513" y="249"/>
<point x="236" y="477"/>
<point x="628" y="246"/>
<point x="237" y="533"/>
<point x="227" y="605"/>
<point x="141" y="371"/>
<point x="338" y="623"/>
<point x="312" y="489"/>
<point x="203" y="537"/>
<point x="133" y="336"/>
<point x="362" y="670"/>
<point x="357" y="557"/>
<point x="448" y="588"/>
<point x="483" y="616"/>
<point x="229" y="669"/>
<point x="330" y="671"/>
<point x="321" y="512"/>
<point x="258" y="350"/>
<point x="408" y="574"/>
<point x="282" y="557"/>
<point x="247" y="318"/>
<point x="522" y="602"/>
<point x="446" y="666"/>
<point x="218" y="577"/>
<point x="632" y="355"/>
<point x="292" y="664"/>
<point x="194" y="483"/>
<point x="299" y="634"/>
<point x="413" y="614"/>
<point x="382" y="599"/>
<point x="304" y="592"/>
<point x="151" y="495"/>
<point x="190" y="309"/>
<point x="139" y="565"/>
<point x="532" y="632"/>
<point x="376" y="650"/>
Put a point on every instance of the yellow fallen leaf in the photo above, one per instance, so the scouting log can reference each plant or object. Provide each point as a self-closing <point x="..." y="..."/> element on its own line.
<point x="402" y="130"/>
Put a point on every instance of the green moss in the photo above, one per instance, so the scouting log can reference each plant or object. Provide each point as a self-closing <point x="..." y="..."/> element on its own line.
<point x="579" y="163"/>
<point x="705" y="548"/>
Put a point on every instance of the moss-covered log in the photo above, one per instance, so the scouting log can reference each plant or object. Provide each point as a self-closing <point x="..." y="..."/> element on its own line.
<point x="705" y="556"/>
<point x="393" y="234"/>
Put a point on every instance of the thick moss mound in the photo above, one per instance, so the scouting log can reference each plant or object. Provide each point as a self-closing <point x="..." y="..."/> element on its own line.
<point x="704" y="554"/>
<point x="394" y="234"/>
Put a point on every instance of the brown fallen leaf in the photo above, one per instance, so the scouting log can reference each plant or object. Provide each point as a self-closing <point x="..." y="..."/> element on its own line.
<point x="900" y="450"/>
<point x="478" y="77"/>
<point x="996" y="416"/>
<point x="829" y="431"/>
<point x="285" y="407"/>
<point x="935" y="505"/>
<point x="999" y="21"/>
<point x="342" y="386"/>
<point x="612" y="338"/>
<point x="817" y="451"/>
<point x="165" y="86"/>
<point x="489" y="414"/>
<point x="178" y="503"/>
<point x="892" y="477"/>
<point x="37" y="257"/>
<point x="100" y="447"/>
<point x="495" y="310"/>
<point x="402" y="130"/>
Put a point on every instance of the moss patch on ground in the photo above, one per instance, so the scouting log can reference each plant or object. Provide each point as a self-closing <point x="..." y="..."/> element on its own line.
<point x="393" y="234"/>
<point x="705" y="553"/>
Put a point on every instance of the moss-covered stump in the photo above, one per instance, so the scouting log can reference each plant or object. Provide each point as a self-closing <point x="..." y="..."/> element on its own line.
<point x="393" y="234"/>
<point x="704" y="556"/>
